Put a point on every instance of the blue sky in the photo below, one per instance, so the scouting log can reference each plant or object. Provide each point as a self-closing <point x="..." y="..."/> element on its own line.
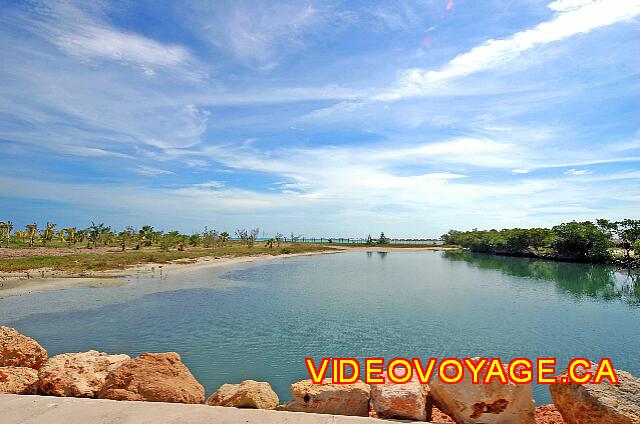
<point x="322" y="118"/>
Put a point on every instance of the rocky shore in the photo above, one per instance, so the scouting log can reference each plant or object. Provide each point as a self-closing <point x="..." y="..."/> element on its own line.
<point x="25" y="368"/>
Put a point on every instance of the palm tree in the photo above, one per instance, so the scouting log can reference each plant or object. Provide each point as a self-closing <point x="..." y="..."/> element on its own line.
<point x="3" y="229"/>
<point x="32" y="233"/>
<point x="94" y="231"/>
<point x="9" y="228"/>
<point x="71" y="235"/>
<point x="48" y="232"/>
<point x="20" y="235"/>
<point x="147" y="235"/>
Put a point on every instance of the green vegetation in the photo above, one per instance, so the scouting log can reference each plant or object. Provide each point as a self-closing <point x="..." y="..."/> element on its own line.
<point x="575" y="241"/>
<point x="98" y="247"/>
<point x="119" y="260"/>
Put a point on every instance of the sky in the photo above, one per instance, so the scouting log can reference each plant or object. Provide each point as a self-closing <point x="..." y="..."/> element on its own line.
<point x="322" y="118"/>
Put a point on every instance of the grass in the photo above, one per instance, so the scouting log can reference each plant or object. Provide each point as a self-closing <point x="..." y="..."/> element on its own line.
<point x="120" y="260"/>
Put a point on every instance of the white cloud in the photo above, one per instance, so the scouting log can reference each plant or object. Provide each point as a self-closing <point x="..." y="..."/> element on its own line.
<point x="256" y="33"/>
<point x="90" y="152"/>
<point x="95" y="42"/>
<point x="210" y="184"/>
<point x="151" y="171"/>
<point x="577" y="172"/>
<point x="520" y="171"/>
<point x="574" y="17"/>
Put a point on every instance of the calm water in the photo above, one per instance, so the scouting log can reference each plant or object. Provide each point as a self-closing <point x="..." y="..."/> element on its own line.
<point x="261" y="320"/>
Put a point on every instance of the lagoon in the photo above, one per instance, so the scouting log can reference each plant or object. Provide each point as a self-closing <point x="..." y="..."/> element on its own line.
<point x="260" y="320"/>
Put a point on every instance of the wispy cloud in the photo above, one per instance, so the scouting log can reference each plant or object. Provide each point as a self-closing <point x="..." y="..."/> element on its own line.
<point x="577" y="172"/>
<point x="82" y="32"/>
<point x="256" y="33"/>
<point x="210" y="184"/>
<point x="152" y="171"/>
<point x="574" y="17"/>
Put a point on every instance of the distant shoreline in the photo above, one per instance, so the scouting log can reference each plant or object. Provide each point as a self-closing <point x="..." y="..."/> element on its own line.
<point x="47" y="279"/>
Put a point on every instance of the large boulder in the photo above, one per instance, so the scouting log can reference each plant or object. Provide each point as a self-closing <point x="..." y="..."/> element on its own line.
<point x="18" y="380"/>
<point x="329" y="398"/>
<point x="406" y="401"/>
<point x="247" y="394"/>
<point x="153" y="377"/>
<point x="17" y="350"/>
<point x="493" y="403"/>
<point x="603" y="403"/>
<point x="77" y="374"/>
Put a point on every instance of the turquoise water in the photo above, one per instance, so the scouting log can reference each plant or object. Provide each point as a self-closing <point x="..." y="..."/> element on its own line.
<point x="261" y="320"/>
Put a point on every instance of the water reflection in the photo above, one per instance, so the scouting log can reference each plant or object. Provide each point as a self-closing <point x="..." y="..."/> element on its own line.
<point x="579" y="280"/>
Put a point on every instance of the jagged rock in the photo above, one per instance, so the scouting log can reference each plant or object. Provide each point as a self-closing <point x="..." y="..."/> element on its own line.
<point x="153" y="377"/>
<point x="77" y="374"/>
<point x="18" y="350"/>
<point x="402" y="401"/>
<point x="18" y="380"/>
<point x="603" y="403"/>
<point x="548" y="414"/>
<point x="247" y="394"/>
<point x="493" y="403"/>
<point x="329" y="398"/>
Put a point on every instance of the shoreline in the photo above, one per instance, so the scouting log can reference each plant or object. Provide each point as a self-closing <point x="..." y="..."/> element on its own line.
<point x="44" y="280"/>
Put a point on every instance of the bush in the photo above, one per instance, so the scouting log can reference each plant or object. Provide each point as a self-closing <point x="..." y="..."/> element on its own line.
<point x="582" y="241"/>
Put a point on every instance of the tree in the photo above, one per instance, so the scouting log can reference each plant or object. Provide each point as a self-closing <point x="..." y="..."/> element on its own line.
<point x="169" y="240"/>
<point x="5" y="232"/>
<point x="126" y="236"/>
<point x="224" y="238"/>
<point x="70" y="235"/>
<point x="628" y="231"/>
<point x="32" y="233"/>
<point x="48" y="233"/>
<point x="93" y="233"/>
<point x="146" y="235"/>
<point x="248" y="237"/>
<point x="269" y="243"/>
<point x="383" y="239"/>
<point x="279" y="239"/>
<point x="369" y="240"/>
<point x="194" y="240"/>
<point x="209" y="237"/>
<point x="582" y="241"/>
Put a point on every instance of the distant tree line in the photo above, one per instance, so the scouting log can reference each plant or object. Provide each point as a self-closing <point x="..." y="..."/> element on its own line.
<point x="99" y="234"/>
<point x="600" y="242"/>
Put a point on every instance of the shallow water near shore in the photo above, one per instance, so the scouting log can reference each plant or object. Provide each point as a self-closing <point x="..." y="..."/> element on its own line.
<point x="260" y="320"/>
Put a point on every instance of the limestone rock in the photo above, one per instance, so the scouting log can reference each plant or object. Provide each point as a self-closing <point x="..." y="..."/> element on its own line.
<point x="548" y="414"/>
<point x="77" y="374"/>
<point x="493" y="403"/>
<point x="17" y="350"/>
<point x="603" y="403"/>
<point x="153" y="377"/>
<point x="18" y="380"/>
<point x="247" y="394"/>
<point x="402" y="401"/>
<point x="329" y="398"/>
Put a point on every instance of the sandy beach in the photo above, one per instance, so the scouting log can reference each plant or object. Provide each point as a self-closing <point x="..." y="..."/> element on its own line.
<point x="46" y="279"/>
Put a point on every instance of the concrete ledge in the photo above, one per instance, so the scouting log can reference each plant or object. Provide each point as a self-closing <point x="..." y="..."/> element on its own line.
<point x="26" y="409"/>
